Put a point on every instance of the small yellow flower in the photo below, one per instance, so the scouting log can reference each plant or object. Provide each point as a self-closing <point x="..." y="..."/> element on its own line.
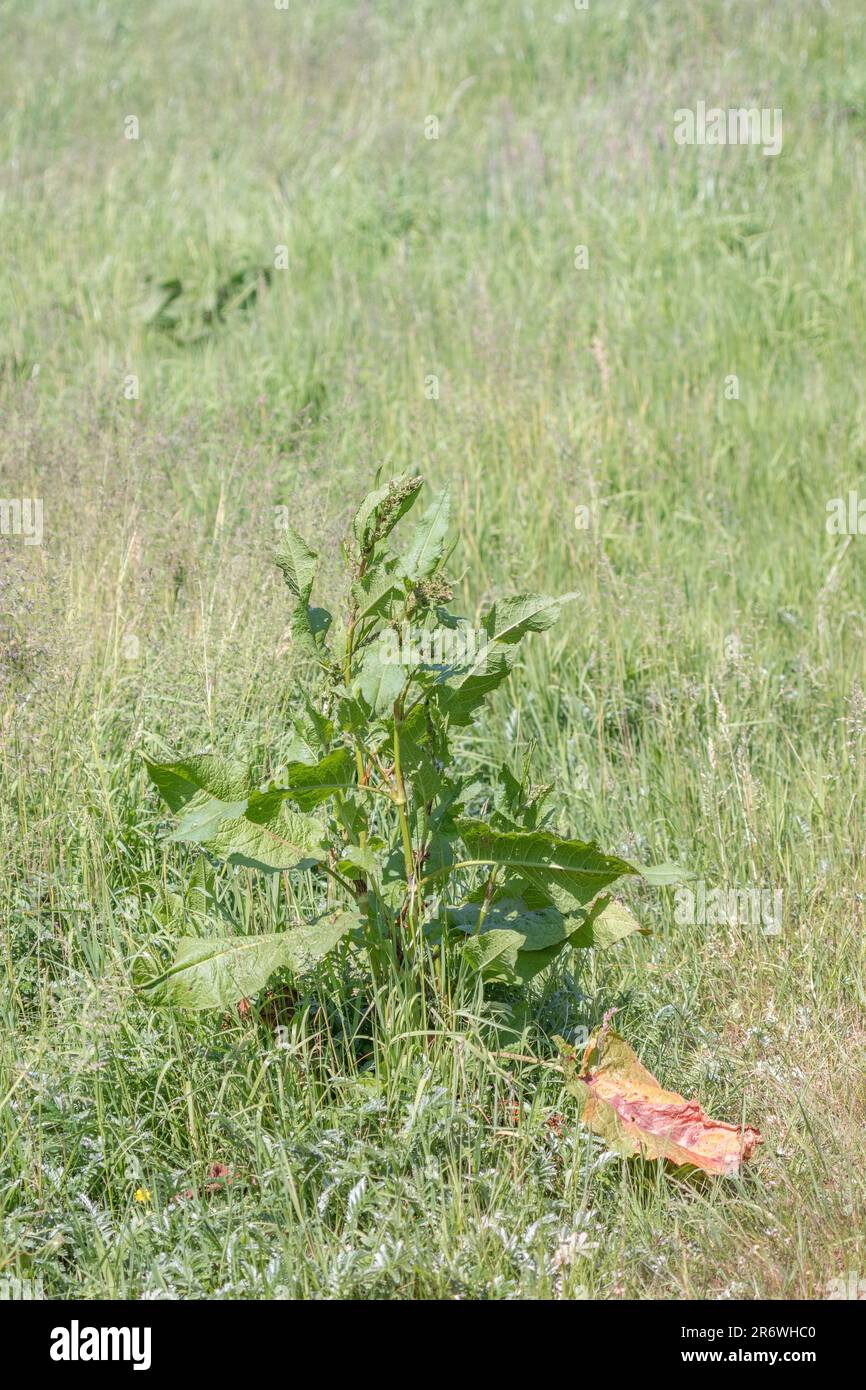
<point x="142" y="1194"/>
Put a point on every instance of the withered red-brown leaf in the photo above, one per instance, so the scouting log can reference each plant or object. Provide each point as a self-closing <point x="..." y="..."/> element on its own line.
<point x="218" y="1174"/>
<point x="625" y="1105"/>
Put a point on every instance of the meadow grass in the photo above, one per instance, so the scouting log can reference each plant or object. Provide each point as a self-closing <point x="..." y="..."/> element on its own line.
<point x="703" y="701"/>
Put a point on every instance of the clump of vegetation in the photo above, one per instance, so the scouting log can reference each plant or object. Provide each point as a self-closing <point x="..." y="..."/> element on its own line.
<point x="190" y="314"/>
<point x="426" y="861"/>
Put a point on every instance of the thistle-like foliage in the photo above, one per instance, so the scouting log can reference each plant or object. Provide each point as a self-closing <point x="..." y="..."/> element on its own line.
<point x="373" y="798"/>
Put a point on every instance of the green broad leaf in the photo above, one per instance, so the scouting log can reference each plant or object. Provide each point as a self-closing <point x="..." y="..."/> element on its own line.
<point x="542" y="925"/>
<point x="215" y="972"/>
<point x="538" y="929"/>
<point x="443" y="848"/>
<point x="440" y="852"/>
<point x="353" y="814"/>
<point x="310" y="784"/>
<point x="268" y="836"/>
<point x="531" y="963"/>
<point x="664" y="875"/>
<point x="376" y="594"/>
<point x="611" y="922"/>
<point x="358" y="860"/>
<point x="501" y="959"/>
<point x="459" y="697"/>
<point x="306" y="945"/>
<point x="200" y="780"/>
<point x="353" y="716"/>
<point x="392" y="881"/>
<point x="310" y="626"/>
<point x="379" y="682"/>
<point x="312" y="735"/>
<point x="428" y="542"/>
<point x="526" y="942"/>
<point x="298" y="564"/>
<point x="463" y="692"/>
<point x="510" y="959"/>
<point x="494" y="955"/>
<point x="423" y="754"/>
<point x="568" y="871"/>
<point x="319" y="622"/>
<point x="364" y="523"/>
<point x="510" y="619"/>
<point x="382" y="508"/>
<point x="201" y="820"/>
<point x="202" y="790"/>
<point x="508" y="792"/>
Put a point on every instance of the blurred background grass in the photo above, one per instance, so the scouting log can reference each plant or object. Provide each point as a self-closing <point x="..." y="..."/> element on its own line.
<point x="704" y="700"/>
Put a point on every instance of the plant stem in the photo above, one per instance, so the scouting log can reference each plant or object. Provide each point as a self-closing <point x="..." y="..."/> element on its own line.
<point x="400" y="801"/>
<point x="488" y="898"/>
<point x="344" y="883"/>
<point x="347" y="676"/>
<point x="451" y="868"/>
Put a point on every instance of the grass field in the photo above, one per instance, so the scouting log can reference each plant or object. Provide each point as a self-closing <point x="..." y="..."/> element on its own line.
<point x="704" y="701"/>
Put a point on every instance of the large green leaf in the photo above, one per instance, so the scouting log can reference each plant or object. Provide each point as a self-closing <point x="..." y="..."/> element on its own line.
<point x="516" y="943"/>
<point x="610" y="924"/>
<point x="537" y="928"/>
<point x="494" y="955"/>
<point x="422" y="754"/>
<point x="312" y="734"/>
<point x="269" y="835"/>
<point x="376" y="593"/>
<point x="428" y="541"/>
<point x="542" y="927"/>
<point x="530" y="963"/>
<point x="664" y="875"/>
<point x="309" y="785"/>
<point x="510" y="619"/>
<point x="379" y="681"/>
<point x="222" y="810"/>
<point x="501" y="959"/>
<point x="298" y="564"/>
<point x="459" y="695"/>
<point x="462" y="692"/>
<point x="311" y="627"/>
<point x="215" y="972"/>
<point x="200" y="779"/>
<point x="567" y="871"/>
<point x="203" y="790"/>
<point x="357" y="860"/>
